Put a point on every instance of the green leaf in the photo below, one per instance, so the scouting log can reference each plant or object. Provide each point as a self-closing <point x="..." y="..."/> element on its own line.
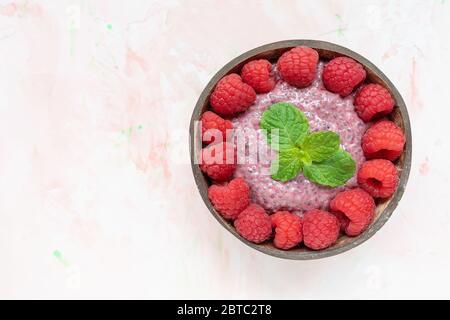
<point x="317" y="154"/>
<point x="321" y="145"/>
<point x="287" y="165"/>
<point x="286" y="123"/>
<point x="304" y="158"/>
<point x="333" y="172"/>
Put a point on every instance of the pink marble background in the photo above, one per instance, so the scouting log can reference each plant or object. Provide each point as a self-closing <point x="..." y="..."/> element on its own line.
<point x="97" y="198"/>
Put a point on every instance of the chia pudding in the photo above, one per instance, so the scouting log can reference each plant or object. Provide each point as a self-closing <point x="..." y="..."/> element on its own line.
<point x="325" y="111"/>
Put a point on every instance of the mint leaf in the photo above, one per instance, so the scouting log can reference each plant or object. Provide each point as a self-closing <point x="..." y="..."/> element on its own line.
<point x="286" y="123"/>
<point x="332" y="172"/>
<point x="321" y="145"/>
<point x="317" y="154"/>
<point x="305" y="158"/>
<point x="287" y="165"/>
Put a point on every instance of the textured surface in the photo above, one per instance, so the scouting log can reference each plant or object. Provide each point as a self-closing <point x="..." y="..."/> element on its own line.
<point x="342" y="75"/>
<point x="254" y="224"/>
<point x="219" y="161"/>
<point x="373" y="101"/>
<point x="288" y="231"/>
<point x="231" y="96"/>
<point x="230" y="198"/>
<point x="355" y="209"/>
<point x="210" y="123"/>
<point x="383" y="139"/>
<point x="298" y="66"/>
<point x="87" y="211"/>
<point x="320" y="229"/>
<point x="379" y="177"/>
<point x="324" y="111"/>
<point x="258" y="75"/>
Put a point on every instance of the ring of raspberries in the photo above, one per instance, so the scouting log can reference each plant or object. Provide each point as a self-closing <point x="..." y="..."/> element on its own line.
<point x="352" y="210"/>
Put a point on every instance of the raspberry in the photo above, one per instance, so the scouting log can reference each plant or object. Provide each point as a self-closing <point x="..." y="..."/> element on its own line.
<point x="298" y="66"/>
<point x="355" y="210"/>
<point x="378" y="177"/>
<point x="341" y="75"/>
<point x="288" y="229"/>
<point x="383" y="140"/>
<point x="211" y="121"/>
<point x="231" y="198"/>
<point x="254" y="224"/>
<point x="320" y="229"/>
<point x="231" y="96"/>
<point x="373" y="101"/>
<point x="219" y="161"/>
<point x="343" y="220"/>
<point x="256" y="74"/>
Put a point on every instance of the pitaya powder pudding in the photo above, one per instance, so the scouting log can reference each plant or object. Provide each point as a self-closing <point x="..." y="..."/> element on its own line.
<point x="325" y="111"/>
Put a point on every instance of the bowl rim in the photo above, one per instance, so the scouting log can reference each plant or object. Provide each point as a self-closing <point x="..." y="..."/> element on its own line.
<point x="320" y="45"/>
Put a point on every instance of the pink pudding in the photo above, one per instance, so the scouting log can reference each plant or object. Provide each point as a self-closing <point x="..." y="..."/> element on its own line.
<point x="325" y="111"/>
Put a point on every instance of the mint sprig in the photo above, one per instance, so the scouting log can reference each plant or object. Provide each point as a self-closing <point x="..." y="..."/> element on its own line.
<point x="287" y="165"/>
<point x="321" y="145"/>
<point x="287" y="125"/>
<point x="332" y="172"/>
<point x="316" y="154"/>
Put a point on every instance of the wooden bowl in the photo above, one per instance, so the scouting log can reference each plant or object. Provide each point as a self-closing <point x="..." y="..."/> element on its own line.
<point x="326" y="51"/>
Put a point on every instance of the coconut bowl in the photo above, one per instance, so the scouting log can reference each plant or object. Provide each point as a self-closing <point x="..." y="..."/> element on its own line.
<point x="327" y="51"/>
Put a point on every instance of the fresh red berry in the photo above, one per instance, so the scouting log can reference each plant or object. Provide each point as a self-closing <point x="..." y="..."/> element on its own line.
<point x="298" y="66"/>
<point x="320" y="229"/>
<point x="212" y="122"/>
<point x="383" y="140"/>
<point x="373" y="101"/>
<point x="257" y="74"/>
<point x="379" y="177"/>
<point x="254" y="224"/>
<point x="219" y="161"/>
<point x="288" y="229"/>
<point x="231" y="96"/>
<point x="231" y="198"/>
<point x="355" y="210"/>
<point x="341" y="75"/>
<point x="343" y="220"/>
